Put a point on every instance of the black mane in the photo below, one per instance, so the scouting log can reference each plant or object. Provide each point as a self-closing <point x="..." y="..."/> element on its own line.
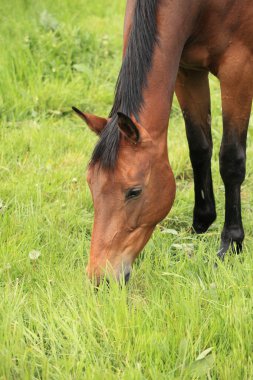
<point x="131" y="80"/>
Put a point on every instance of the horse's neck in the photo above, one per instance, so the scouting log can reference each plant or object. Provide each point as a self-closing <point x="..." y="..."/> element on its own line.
<point x="175" y="22"/>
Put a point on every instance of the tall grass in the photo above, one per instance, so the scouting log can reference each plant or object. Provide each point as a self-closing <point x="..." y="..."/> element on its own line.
<point x="176" y="306"/>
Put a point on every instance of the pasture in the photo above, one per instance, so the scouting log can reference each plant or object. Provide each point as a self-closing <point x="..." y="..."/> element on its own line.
<point x="179" y="317"/>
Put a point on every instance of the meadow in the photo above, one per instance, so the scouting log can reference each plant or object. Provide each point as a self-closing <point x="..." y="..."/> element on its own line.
<point x="179" y="317"/>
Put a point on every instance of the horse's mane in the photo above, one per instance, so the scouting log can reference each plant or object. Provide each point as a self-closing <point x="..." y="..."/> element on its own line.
<point x="131" y="80"/>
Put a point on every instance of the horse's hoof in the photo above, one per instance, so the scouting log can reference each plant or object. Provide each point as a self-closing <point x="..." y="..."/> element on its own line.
<point x="198" y="228"/>
<point x="236" y="247"/>
<point x="202" y="222"/>
<point x="224" y="247"/>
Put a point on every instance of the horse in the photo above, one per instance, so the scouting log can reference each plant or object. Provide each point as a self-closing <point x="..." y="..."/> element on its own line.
<point x="170" y="46"/>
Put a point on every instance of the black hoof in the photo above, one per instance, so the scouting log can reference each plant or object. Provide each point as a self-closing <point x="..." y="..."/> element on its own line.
<point x="200" y="228"/>
<point x="202" y="222"/>
<point x="231" y="238"/>
<point x="236" y="247"/>
<point x="224" y="247"/>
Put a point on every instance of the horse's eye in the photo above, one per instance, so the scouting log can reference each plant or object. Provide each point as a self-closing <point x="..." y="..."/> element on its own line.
<point x="133" y="193"/>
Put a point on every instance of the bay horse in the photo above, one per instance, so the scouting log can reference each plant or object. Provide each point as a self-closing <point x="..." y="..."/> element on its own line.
<point x="170" y="45"/>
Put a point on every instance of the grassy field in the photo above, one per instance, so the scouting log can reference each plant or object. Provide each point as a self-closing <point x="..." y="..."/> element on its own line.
<point x="176" y="306"/>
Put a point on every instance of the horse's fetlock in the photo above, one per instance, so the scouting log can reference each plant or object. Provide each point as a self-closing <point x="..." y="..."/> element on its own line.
<point x="234" y="233"/>
<point x="203" y="217"/>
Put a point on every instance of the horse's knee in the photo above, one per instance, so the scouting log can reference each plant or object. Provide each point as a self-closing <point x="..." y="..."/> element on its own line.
<point x="232" y="163"/>
<point x="201" y="154"/>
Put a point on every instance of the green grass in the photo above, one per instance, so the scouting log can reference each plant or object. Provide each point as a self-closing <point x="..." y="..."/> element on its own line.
<point x="52" y="323"/>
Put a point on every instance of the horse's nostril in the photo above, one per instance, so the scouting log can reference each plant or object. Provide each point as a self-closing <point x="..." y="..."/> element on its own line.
<point x="127" y="276"/>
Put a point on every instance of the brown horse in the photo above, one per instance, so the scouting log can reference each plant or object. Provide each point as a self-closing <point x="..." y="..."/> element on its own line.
<point x="170" y="45"/>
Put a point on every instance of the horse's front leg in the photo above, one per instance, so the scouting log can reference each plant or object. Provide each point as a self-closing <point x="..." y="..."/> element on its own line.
<point x="236" y="78"/>
<point x="192" y="90"/>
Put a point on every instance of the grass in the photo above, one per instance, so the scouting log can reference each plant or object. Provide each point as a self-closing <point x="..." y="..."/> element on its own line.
<point x="52" y="323"/>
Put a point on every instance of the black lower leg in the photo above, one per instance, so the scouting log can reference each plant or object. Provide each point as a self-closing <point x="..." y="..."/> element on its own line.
<point x="192" y="89"/>
<point x="204" y="212"/>
<point x="200" y="146"/>
<point x="232" y="168"/>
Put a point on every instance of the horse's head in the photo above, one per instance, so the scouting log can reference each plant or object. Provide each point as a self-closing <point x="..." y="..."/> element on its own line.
<point x="129" y="198"/>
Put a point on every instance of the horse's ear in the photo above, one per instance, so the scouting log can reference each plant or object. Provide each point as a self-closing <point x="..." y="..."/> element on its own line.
<point x="128" y="128"/>
<point x="95" y="123"/>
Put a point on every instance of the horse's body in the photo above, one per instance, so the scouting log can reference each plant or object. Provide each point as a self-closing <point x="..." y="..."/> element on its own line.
<point x="171" y="45"/>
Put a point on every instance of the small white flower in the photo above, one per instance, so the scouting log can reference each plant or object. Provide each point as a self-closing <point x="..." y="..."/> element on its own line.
<point x="34" y="255"/>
